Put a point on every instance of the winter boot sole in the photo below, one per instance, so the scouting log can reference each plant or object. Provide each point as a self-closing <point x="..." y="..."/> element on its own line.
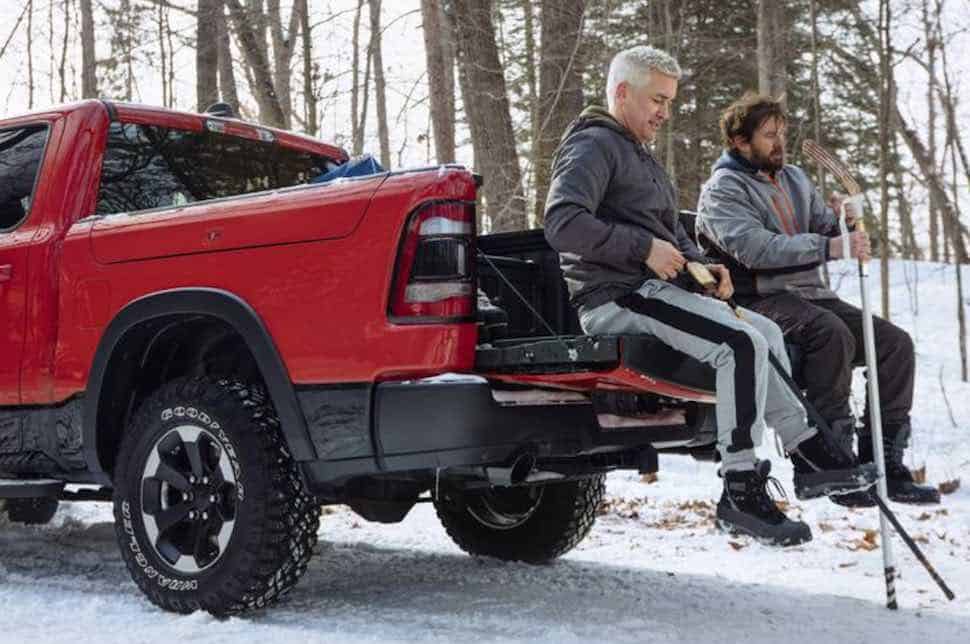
<point x="792" y="534"/>
<point x="812" y="485"/>
<point x="913" y="494"/>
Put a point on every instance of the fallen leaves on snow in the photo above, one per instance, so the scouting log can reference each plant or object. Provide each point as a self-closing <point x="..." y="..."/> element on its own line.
<point x="949" y="487"/>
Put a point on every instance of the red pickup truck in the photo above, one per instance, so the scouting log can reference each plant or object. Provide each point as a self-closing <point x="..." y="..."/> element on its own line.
<point x="198" y="329"/>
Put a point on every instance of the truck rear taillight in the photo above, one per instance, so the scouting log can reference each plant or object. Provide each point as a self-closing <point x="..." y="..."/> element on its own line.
<point x="434" y="278"/>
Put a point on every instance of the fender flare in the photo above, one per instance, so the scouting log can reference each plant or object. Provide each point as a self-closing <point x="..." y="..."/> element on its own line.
<point x="229" y="308"/>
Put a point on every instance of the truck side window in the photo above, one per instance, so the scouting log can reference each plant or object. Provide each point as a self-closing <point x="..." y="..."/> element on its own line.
<point x="147" y="167"/>
<point x="21" y="151"/>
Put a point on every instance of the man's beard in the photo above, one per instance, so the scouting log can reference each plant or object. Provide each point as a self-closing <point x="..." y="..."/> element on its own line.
<point x="769" y="163"/>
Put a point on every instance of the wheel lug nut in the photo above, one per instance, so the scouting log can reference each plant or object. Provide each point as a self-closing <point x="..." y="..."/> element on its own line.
<point x="205" y="516"/>
<point x="205" y="480"/>
<point x="192" y="514"/>
<point x="192" y="479"/>
<point x="185" y="496"/>
<point x="213" y="498"/>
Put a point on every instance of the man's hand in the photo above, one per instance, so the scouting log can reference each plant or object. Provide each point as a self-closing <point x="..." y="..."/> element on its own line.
<point x="836" y="203"/>
<point x="725" y="287"/>
<point x="858" y="245"/>
<point x="664" y="259"/>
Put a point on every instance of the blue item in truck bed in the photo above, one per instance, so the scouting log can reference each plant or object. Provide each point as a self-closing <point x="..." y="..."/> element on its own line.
<point x="357" y="167"/>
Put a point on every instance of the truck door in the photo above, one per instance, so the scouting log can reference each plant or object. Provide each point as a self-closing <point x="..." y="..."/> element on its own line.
<point x="21" y="150"/>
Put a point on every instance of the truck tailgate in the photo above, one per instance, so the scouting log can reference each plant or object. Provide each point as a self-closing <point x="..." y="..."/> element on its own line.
<point x="586" y="363"/>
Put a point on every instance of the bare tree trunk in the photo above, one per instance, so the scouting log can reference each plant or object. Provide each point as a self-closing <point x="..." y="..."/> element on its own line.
<point x="365" y="93"/>
<point x="934" y="183"/>
<point x="284" y="43"/>
<point x="961" y="309"/>
<point x="62" y="70"/>
<point x="163" y="55"/>
<point x="772" y="75"/>
<point x="440" y="51"/>
<point x="948" y="101"/>
<point x="89" y="77"/>
<point x="250" y="31"/>
<point x="670" y="135"/>
<point x="376" y="36"/>
<point x="309" y="72"/>
<point x="356" y="135"/>
<point x="908" y="245"/>
<point x="560" y="86"/>
<point x="531" y="65"/>
<point x="929" y="33"/>
<point x="30" y="54"/>
<point x="886" y="95"/>
<point x="817" y="115"/>
<point x="227" y="75"/>
<point x="487" y="107"/>
<point x="207" y="55"/>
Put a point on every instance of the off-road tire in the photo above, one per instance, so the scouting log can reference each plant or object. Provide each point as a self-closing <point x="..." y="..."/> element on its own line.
<point x="275" y="519"/>
<point x="563" y="516"/>
<point x="31" y="511"/>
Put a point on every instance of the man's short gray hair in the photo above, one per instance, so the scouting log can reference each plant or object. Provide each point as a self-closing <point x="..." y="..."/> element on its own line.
<point x="632" y="65"/>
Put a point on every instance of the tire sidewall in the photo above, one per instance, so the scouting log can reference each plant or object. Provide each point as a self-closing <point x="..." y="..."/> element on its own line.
<point x="213" y="409"/>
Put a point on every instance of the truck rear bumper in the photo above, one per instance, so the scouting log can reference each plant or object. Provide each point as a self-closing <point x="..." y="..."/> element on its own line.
<point x="431" y="425"/>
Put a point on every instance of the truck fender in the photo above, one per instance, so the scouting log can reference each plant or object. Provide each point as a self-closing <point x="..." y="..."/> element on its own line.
<point x="229" y="308"/>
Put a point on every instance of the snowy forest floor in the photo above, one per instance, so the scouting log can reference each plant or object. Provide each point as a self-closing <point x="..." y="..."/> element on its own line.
<point x="654" y="567"/>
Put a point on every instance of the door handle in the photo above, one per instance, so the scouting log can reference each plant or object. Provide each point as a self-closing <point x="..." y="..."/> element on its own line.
<point x="6" y="272"/>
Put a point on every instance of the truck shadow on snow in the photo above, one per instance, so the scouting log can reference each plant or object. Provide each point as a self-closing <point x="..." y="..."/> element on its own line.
<point x="358" y="590"/>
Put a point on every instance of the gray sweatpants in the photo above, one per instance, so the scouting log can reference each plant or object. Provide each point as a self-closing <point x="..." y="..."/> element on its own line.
<point x="749" y="392"/>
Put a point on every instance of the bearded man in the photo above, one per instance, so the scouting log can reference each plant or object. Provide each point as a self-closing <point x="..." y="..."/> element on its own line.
<point x="767" y="223"/>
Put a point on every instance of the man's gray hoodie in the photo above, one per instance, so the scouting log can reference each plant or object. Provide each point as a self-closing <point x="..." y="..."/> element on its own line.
<point x="772" y="232"/>
<point x="608" y="199"/>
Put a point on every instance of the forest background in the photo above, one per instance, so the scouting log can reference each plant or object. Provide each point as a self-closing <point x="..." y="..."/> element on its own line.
<point x="493" y="84"/>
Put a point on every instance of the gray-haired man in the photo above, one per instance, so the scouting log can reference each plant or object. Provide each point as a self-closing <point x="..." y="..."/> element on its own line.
<point x="611" y="213"/>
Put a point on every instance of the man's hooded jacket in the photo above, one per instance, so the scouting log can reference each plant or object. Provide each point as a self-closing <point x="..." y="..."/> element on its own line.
<point x="608" y="199"/>
<point x="771" y="231"/>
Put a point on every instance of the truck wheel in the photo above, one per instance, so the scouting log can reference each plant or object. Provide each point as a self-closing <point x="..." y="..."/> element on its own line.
<point x="210" y="511"/>
<point x="534" y="524"/>
<point x="31" y="511"/>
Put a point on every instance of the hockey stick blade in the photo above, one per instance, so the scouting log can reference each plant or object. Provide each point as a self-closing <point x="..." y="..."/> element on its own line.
<point x="828" y="161"/>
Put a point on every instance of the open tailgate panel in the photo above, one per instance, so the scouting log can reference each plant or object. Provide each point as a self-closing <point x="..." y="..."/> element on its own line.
<point x="585" y="363"/>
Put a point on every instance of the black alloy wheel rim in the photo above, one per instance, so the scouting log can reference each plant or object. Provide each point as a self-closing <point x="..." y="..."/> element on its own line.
<point x="189" y="498"/>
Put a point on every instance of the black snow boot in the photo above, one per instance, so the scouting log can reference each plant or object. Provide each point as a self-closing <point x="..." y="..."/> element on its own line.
<point x="746" y="508"/>
<point x="899" y="480"/>
<point x="823" y="467"/>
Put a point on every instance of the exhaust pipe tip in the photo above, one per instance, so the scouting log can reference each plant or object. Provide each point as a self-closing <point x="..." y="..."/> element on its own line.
<point x="516" y="473"/>
<point x="521" y="467"/>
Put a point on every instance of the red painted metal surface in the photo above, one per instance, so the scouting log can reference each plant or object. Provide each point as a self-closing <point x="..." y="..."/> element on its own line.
<point x="619" y="378"/>
<point x="315" y="262"/>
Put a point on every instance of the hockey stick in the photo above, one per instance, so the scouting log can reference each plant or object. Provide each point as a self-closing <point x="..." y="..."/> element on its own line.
<point x="841" y="172"/>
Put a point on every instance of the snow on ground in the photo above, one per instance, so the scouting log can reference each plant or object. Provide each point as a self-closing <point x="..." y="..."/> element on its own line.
<point x="653" y="568"/>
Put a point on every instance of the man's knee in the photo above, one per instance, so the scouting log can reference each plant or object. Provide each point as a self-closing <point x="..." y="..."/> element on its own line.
<point x="749" y="343"/>
<point x="895" y="341"/>
<point x="833" y="338"/>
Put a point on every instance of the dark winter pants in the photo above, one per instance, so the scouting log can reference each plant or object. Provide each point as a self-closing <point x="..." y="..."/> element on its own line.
<point x="829" y="336"/>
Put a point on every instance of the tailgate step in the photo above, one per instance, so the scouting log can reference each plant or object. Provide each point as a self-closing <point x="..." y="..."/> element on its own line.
<point x="557" y="355"/>
<point x="30" y="488"/>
